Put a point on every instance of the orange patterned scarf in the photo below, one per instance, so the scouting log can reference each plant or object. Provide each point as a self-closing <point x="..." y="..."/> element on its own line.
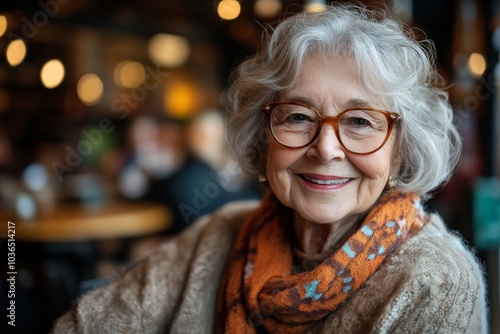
<point x="259" y="289"/>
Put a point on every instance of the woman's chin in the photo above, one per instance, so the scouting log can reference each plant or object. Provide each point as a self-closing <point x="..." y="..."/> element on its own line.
<point x="320" y="217"/>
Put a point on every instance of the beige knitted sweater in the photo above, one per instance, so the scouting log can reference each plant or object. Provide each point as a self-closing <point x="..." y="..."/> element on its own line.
<point x="431" y="284"/>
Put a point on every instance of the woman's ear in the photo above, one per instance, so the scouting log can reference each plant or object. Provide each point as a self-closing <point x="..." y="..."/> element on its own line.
<point x="395" y="166"/>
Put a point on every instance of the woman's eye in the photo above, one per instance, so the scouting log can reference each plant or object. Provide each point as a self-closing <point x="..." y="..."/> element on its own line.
<point x="298" y="118"/>
<point x="359" y="121"/>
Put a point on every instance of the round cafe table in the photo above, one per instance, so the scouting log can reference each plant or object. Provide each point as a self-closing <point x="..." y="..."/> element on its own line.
<point x="71" y="222"/>
<point x="61" y="248"/>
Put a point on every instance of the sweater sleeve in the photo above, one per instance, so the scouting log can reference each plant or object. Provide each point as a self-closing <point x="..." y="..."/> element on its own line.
<point x="447" y="296"/>
<point x="143" y="299"/>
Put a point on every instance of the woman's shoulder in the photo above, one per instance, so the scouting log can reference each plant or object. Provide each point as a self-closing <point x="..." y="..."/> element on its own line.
<point x="236" y="211"/>
<point x="437" y="260"/>
<point x="223" y="224"/>
<point x="228" y="218"/>
<point x="437" y="245"/>
<point x="438" y="253"/>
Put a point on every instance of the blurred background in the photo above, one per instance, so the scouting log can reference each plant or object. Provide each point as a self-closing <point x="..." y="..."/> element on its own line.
<point x="112" y="134"/>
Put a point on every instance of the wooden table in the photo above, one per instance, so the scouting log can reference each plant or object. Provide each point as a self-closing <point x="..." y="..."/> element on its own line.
<point x="69" y="222"/>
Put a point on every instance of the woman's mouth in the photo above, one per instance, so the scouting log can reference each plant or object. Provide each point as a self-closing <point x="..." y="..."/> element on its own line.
<point x="324" y="180"/>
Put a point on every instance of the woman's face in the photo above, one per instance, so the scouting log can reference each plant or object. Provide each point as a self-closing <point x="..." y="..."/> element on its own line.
<point x="322" y="182"/>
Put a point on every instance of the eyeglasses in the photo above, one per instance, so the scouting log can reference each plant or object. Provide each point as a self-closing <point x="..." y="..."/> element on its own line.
<point x="359" y="130"/>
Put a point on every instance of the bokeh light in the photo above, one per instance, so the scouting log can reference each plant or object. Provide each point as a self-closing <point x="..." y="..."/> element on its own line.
<point x="476" y="64"/>
<point x="133" y="183"/>
<point x="3" y="25"/>
<point x="315" y="6"/>
<point x="129" y="74"/>
<point x="16" y="52"/>
<point x="52" y="73"/>
<point x="90" y="89"/>
<point x="228" y="9"/>
<point x="35" y="177"/>
<point x="168" y="50"/>
<point x="25" y="206"/>
<point x="267" y="8"/>
<point x="181" y="99"/>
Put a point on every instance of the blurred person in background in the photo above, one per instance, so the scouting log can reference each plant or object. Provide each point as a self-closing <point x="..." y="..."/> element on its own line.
<point x="183" y="165"/>
<point x="342" y="113"/>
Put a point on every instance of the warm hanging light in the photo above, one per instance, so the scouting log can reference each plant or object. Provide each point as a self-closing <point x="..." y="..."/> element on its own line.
<point x="476" y="64"/>
<point x="52" y="73"/>
<point x="181" y="99"/>
<point x="90" y="89"/>
<point x="16" y="52"/>
<point x="3" y="25"/>
<point x="314" y="6"/>
<point x="129" y="74"/>
<point x="228" y="9"/>
<point x="168" y="50"/>
<point x="267" y="8"/>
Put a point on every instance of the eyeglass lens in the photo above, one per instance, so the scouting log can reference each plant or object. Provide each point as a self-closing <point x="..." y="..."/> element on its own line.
<point x="360" y="131"/>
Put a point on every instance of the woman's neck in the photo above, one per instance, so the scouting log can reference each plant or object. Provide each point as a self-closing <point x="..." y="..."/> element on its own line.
<point x="315" y="239"/>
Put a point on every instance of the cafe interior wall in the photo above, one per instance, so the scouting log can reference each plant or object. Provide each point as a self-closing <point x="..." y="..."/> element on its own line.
<point x="46" y="127"/>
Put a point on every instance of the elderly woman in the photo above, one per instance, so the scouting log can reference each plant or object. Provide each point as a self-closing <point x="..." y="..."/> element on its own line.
<point x="341" y="115"/>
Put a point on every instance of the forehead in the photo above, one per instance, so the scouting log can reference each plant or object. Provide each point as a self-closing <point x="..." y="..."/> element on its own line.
<point x="333" y="80"/>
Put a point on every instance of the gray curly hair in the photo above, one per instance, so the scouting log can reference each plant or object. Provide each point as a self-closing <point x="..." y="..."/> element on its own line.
<point x="427" y="143"/>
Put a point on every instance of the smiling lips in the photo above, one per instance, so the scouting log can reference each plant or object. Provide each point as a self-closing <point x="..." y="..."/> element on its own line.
<point x="325" y="180"/>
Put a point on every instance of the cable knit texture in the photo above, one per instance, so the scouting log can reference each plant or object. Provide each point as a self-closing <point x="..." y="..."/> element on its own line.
<point x="432" y="283"/>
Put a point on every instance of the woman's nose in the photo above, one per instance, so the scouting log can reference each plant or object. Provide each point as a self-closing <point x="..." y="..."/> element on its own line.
<point x="327" y="146"/>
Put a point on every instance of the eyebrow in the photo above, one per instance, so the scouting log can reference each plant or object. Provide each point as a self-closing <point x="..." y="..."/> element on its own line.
<point x="353" y="103"/>
<point x="359" y="103"/>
